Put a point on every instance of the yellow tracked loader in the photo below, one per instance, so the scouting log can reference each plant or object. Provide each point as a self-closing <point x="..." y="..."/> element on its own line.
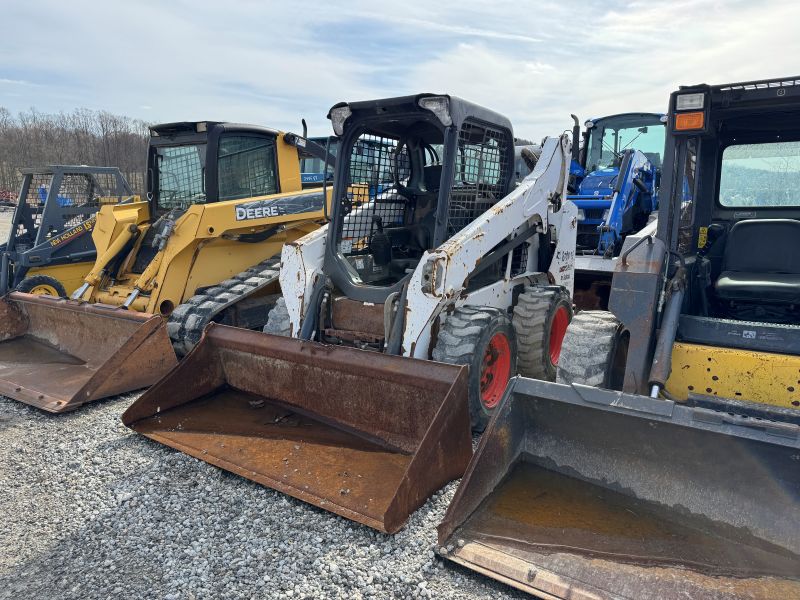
<point x="665" y="460"/>
<point x="223" y="198"/>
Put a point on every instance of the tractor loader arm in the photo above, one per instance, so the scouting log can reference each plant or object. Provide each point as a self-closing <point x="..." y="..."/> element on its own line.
<point x="442" y="274"/>
<point x="96" y="274"/>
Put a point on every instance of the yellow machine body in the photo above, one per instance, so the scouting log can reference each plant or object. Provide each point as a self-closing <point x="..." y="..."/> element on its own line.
<point x="59" y="354"/>
<point x="203" y="249"/>
<point x="70" y="275"/>
<point x="764" y="377"/>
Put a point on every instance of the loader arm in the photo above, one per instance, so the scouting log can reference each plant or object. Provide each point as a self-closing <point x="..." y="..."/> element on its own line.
<point x="442" y="274"/>
<point x="202" y="236"/>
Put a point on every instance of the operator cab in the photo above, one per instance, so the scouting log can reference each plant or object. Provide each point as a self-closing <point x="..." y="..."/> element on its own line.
<point x="208" y="161"/>
<point x="412" y="172"/>
<point x="739" y="159"/>
<point x="615" y="186"/>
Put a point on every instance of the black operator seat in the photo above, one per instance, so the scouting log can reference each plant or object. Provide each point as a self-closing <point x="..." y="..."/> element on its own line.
<point x="761" y="263"/>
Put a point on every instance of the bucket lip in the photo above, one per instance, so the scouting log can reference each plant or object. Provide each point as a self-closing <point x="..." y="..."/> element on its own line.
<point x="276" y="484"/>
<point x="659" y="409"/>
<point x="100" y="310"/>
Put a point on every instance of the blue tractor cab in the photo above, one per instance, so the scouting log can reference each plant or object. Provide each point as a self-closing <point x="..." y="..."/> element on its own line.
<point x="314" y="171"/>
<point x="615" y="178"/>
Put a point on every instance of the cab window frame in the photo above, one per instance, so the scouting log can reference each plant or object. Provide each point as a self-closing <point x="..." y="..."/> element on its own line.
<point x="748" y="141"/>
<point x="271" y="142"/>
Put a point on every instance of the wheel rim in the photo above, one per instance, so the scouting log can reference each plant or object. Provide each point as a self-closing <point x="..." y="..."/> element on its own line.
<point x="44" y="290"/>
<point x="557" y="331"/>
<point x="495" y="370"/>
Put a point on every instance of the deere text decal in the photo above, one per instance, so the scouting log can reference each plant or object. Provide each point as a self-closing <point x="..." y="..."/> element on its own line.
<point x="287" y="205"/>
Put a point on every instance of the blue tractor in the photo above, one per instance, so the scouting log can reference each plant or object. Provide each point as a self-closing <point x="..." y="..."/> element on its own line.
<point x="615" y="177"/>
<point x="314" y="171"/>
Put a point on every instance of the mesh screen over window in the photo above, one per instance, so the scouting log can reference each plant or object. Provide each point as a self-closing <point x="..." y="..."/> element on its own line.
<point x="76" y="200"/>
<point x="370" y="195"/>
<point x="181" y="176"/>
<point x="35" y="199"/>
<point x="246" y="167"/>
<point x="77" y="192"/>
<point x="480" y="174"/>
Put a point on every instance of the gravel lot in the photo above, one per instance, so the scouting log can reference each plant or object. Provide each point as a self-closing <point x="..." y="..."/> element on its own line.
<point x="88" y="509"/>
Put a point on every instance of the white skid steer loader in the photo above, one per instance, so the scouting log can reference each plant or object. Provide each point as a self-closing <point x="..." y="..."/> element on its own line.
<point x="431" y="253"/>
<point x="494" y="294"/>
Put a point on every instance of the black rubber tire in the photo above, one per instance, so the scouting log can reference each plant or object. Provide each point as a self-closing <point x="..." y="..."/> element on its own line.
<point x="30" y="283"/>
<point x="589" y="349"/>
<point x="533" y="318"/>
<point x="464" y="336"/>
<point x="278" y="322"/>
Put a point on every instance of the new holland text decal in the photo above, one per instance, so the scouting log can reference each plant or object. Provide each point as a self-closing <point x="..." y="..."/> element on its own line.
<point x="87" y="225"/>
<point x="287" y="205"/>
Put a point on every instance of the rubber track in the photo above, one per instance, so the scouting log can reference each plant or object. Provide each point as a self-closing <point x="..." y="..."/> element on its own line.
<point x="186" y="323"/>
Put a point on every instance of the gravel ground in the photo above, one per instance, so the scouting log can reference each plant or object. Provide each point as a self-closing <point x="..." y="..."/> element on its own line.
<point x="88" y="509"/>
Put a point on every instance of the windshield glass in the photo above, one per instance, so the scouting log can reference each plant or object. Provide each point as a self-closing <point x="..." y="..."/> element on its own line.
<point x="311" y="166"/>
<point x="181" y="176"/>
<point x="760" y="175"/>
<point x="611" y="136"/>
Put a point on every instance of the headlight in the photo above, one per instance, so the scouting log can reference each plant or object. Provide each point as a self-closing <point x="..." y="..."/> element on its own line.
<point x="581" y="215"/>
<point x="588" y="124"/>
<point x="689" y="101"/>
<point x="338" y="116"/>
<point x="438" y="105"/>
<point x="433" y="276"/>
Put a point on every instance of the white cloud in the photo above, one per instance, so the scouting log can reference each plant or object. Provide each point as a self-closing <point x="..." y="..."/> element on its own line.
<point x="275" y="62"/>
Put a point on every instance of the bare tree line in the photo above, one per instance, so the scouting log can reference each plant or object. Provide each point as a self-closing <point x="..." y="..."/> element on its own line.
<point x="82" y="137"/>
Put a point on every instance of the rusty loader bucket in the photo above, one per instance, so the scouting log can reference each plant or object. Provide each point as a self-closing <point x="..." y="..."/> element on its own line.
<point x="362" y="434"/>
<point x="58" y="354"/>
<point x="581" y="493"/>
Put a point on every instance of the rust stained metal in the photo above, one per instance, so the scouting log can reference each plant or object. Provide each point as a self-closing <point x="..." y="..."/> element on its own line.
<point x="584" y="493"/>
<point x="58" y="354"/>
<point x="355" y="316"/>
<point x="362" y="434"/>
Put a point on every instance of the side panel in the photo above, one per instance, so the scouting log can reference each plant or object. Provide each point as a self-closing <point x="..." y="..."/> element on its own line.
<point x="301" y="263"/>
<point x="71" y="275"/>
<point x="562" y="267"/>
<point x="738" y="374"/>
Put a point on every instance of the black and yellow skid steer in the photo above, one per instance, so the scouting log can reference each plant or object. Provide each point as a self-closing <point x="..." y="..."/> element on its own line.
<point x="222" y="200"/>
<point x="49" y="248"/>
<point x="665" y="460"/>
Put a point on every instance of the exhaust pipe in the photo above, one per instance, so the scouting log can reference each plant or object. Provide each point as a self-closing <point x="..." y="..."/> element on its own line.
<point x="578" y="492"/>
<point x="576" y="136"/>
<point x="364" y="435"/>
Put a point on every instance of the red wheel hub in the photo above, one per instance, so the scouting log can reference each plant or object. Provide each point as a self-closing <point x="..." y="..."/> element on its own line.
<point x="557" y="331"/>
<point x="496" y="370"/>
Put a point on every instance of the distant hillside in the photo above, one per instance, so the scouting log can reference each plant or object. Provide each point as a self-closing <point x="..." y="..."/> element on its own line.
<point x="84" y="137"/>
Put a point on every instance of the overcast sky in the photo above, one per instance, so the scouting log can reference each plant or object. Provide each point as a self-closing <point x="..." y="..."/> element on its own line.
<point x="272" y="62"/>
